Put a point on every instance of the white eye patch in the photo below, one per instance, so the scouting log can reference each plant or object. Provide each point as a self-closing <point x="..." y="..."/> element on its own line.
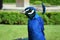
<point x="26" y="10"/>
<point x="31" y="12"/>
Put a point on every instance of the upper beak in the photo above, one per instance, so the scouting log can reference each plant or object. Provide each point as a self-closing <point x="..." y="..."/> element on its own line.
<point x="22" y="12"/>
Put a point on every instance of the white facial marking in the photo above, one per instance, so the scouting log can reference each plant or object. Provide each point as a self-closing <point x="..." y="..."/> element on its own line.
<point x="27" y="10"/>
<point x="31" y="12"/>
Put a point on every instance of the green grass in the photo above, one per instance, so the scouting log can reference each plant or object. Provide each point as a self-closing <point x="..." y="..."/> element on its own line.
<point x="11" y="32"/>
<point x="52" y="32"/>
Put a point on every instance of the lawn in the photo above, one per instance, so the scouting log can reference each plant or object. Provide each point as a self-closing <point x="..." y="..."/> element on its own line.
<point x="11" y="32"/>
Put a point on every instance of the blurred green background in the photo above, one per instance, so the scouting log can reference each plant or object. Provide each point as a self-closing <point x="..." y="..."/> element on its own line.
<point x="10" y="17"/>
<point x="11" y="32"/>
<point x="13" y="24"/>
<point x="37" y="2"/>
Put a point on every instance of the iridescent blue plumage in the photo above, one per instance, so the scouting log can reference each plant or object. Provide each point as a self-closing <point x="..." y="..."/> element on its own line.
<point x="35" y="25"/>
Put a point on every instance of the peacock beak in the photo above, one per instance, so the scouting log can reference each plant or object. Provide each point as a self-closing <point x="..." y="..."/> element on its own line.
<point x="23" y="12"/>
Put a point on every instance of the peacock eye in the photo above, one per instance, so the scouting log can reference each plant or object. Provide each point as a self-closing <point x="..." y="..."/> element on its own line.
<point x="31" y="12"/>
